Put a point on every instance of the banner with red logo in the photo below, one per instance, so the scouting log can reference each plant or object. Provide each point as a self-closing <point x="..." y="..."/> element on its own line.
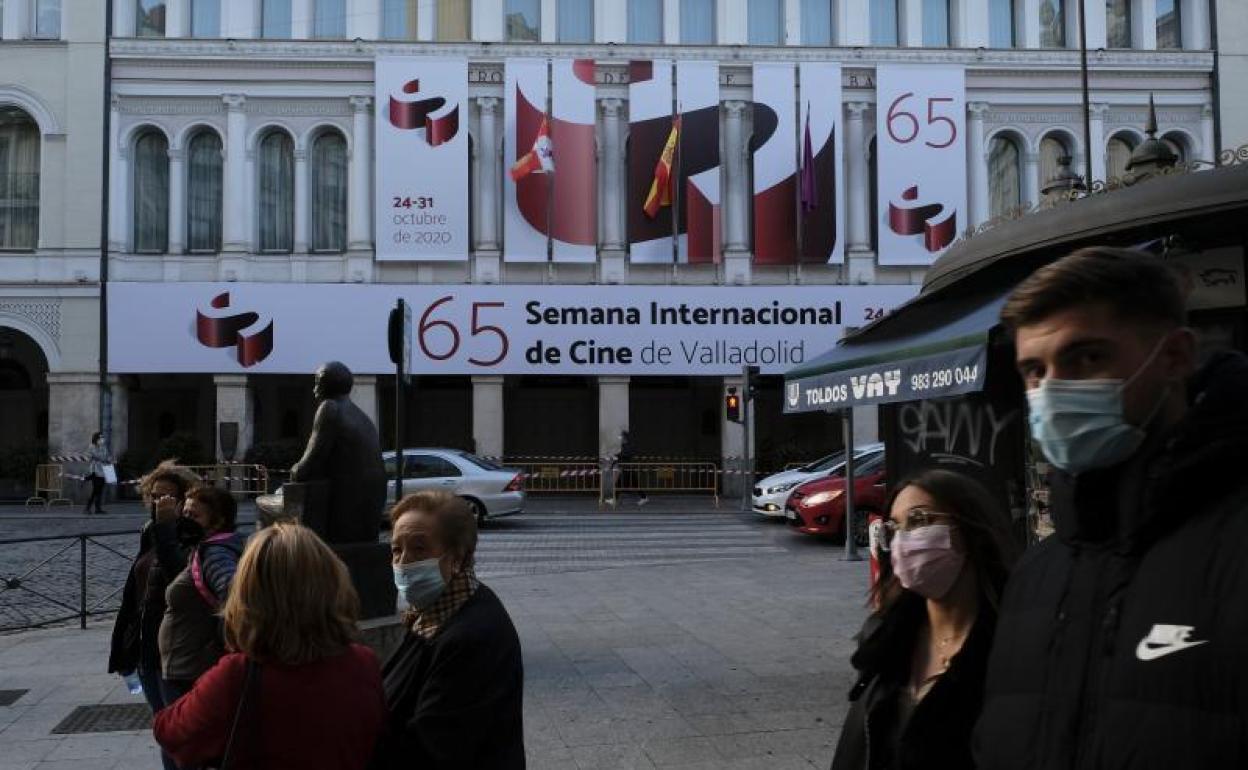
<point x="650" y="110"/>
<point x="525" y="206"/>
<point x="921" y="150"/>
<point x="422" y="147"/>
<point x="697" y="98"/>
<point x="821" y="193"/>
<point x="775" y="163"/>
<point x="575" y="199"/>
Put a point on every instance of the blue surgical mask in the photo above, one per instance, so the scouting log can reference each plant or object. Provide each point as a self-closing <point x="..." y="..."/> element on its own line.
<point x="1080" y="425"/>
<point x="419" y="582"/>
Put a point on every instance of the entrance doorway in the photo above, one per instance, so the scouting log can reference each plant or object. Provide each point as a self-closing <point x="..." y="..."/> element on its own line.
<point x="23" y="392"/>
<point x="675" y="418"/>
<point x="550" y="417"/>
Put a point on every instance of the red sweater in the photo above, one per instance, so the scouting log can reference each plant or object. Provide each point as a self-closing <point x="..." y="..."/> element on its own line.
<point x="326" y="714"/>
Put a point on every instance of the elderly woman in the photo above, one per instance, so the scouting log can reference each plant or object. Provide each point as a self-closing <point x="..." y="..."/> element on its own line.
<point x="297" y="691"/>
<point x="455" y="684"/>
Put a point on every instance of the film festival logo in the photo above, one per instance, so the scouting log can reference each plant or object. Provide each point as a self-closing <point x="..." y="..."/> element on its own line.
<point x="937" y="227"/>
<point x="249" y="332"/>
<point x="419" y="114"/>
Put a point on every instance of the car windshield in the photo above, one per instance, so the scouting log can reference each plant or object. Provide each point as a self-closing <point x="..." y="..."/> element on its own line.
<point x="868" y="462"/>
<point x="479" y="462"/>
<point x="826" y="463"/>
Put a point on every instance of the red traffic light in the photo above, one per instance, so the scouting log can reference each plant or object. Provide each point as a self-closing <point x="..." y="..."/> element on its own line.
<point x="732" y="407"/>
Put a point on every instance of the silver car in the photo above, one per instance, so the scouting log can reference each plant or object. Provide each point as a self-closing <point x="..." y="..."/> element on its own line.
<point x="770" y="494"/>
<point x="491" y="490"/>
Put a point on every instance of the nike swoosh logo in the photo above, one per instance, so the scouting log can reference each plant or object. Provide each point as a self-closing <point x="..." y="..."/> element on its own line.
<point x="1145" y="651"/>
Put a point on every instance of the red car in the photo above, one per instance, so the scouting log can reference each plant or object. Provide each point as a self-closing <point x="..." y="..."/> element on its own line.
<point x="818" y="507"/>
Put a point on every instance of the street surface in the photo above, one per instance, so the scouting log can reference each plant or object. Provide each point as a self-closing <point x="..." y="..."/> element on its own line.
<point x="672" y="636"/>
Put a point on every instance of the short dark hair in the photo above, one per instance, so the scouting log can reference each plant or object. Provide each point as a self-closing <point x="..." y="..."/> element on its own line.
<point x="96" y="436"/>
<point x="1136" y="286"/>
<point x="220" y="502"/>
<point x="457" y="526"/>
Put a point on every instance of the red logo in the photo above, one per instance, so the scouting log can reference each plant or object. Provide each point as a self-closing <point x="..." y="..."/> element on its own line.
<point x="936" y="225"/>
<point x="418" y="114"/>
<point x="221" y="327"/>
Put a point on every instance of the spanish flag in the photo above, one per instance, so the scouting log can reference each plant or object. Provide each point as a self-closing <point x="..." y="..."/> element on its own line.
<point x="538" y="160"/>
<point x="661" y="188"/>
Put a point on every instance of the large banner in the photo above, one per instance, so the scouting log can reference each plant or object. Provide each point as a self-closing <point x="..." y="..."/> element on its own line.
<point x="775" y="163"/>
<point x="274" y="328"/>
<point x="575" y="199"/>
<point x="921" y="149"/>
<point x="820" y="193"/>
<point x="697" y="98"/>
<point x="649" y="124"/>
<point x="525" y="204"/>
<point x="422" y="145"/>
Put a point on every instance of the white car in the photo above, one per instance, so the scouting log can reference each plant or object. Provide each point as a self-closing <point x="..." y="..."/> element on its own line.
<point x="489" y="489"/>
<point x="770" y="494"/>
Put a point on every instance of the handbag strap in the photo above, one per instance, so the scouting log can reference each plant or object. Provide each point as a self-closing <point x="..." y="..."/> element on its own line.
<point x="249" y="680"/>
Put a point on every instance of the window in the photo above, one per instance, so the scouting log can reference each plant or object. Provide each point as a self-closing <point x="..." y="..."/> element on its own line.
<point x="149" y="19"/>
<point x="1001" y="23"/>
<point x="1118" y="23"/>
<point x="329" y="19"/>
<point x="428" y="467"/>
<point x="47" y="19"/>
<point x="398" y="19"/>
<point x="524" y="21"/>
<point x="151" y="193"/>
<point x="205" y="18"/>
<point x="1169" y="24"/>
<point x="453" y="18"/>
<point x="816" y="22"/>
<point x="1052" y="24"/>
<point x="936" y="23"/>
<point x="645" y="21"/>
<point x="883" y="22"/>
<point x="277" y="192"/>
<point x="203" y="193"/>
<point x="576" y="21"/>
<point x="1005" y="191"/>
<point x="1118" y="154"/>
<point x="329" y="192"/>
<point x="275" y="19"/>
<point x="697" y="22"/>
<point x="1052" y="148"/>
<point x="19" y="180"/>
<point x="766" y="22"/>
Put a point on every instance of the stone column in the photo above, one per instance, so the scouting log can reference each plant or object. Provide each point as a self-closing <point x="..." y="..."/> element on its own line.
<point x="487" y="175"/>
<point x="612" y="158"/>
<point x="487" y="415"/>
<point x="360" y="197"/>
<point x="866" y="424"/>
<point x="73" y="410"/>
<point x="301" y="200"/>
<point x="364" y="395"/>
<point x="235" y="403"/>
<point x="1097" y="150"/>
<point x="859" y="186"/>
<point x="177" y="18"/>
<point x="234" y="219"/>
<point x="977" y="160"/>
<point x="737" y="236"/>
<point x="1095" y="13"/>
<point x="177" y="201"/>
<point x="612" y="413"/>
<point x="118" y="182"/>
<point x="1195" y="27"/>
<point x="1031" y="178"/>
<point x="1207" y="150"/>
<point x="119" y="432"/>
<point x="1144" y="24"/>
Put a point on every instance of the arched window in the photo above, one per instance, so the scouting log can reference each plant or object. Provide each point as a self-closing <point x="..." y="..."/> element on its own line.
<point x="1052" y="24"/>
<point x="1001" y="27"/>
<point x="1169" y="24"/>
<point x="816" y="22"/>
<point x="1117" y="154"/>
<point x="645" y="21"/>
<point x="1005" y="175"/>
<point x="697" y="22"/>
<point x="1118" y="23"/>
<point x="275" y="19"/>
<point x="329" y="19"/>
<point x="936" y="23"/>
<point x="766" y="22"/>
<point x="329" y="192"/>
<point x="149" y="18"/>
<point x="203" y="193"/>
<point x="276" y="166"/>
<point x="523" y="21"/>
<point x="19" y="180"/>
<point x="205" y="18"/>
<point x="1052" y="148"/>
<point x="884" y="22"/>
<point x="151" y="193"/>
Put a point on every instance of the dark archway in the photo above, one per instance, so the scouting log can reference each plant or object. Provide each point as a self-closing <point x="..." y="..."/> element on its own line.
<point x="23" y="391"/>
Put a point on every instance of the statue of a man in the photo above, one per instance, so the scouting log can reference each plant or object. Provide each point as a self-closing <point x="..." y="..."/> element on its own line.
<point x="345" y="450"/>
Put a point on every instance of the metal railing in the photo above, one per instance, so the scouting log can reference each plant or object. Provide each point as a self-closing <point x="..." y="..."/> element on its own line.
<point x="49" y="580"/>
<point x="236" y="478"/>
<point x="677" y="477"/>
<point x="49" y="486"/>
<point x="560" y="477"/>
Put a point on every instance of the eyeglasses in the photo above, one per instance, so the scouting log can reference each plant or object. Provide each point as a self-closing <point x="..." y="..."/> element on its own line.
<point x="918" y="518"/>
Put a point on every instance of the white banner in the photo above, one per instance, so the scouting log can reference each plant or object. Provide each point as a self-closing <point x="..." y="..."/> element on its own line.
<point x="921" y="147"/>
<point x="422" y="158"/>
<point x="275" y="328"/>
<point x="820" y="186"/>
<point x="575" y="200"/>
<point x="650" y="120"/>
<point x="524" y="209"/>
<point x="697" y="98"/>
<point x="775" y="163"/>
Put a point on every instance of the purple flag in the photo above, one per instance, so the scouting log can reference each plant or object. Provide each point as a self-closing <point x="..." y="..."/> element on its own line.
<point x="808" y="188"/>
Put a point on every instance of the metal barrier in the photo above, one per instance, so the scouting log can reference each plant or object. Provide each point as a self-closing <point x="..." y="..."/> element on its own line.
<point x="665" y="477"/>
<point x="50" y="580"/>
<point x="236" y="478"/>
<point x="49" y="480"/>
<point x="560" y="477"/>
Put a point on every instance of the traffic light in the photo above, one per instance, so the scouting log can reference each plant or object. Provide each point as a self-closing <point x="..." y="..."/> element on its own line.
<point x="732" y="405"/>
<point x="751" y="382"/>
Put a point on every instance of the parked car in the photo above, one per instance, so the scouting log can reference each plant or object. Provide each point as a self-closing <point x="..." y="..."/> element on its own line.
<point x="772" y="493"/>
<point x="818" y="507"/>
<point x="490" y="489"/>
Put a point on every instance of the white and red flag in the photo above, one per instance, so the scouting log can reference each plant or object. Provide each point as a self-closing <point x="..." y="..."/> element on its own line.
<point x="538" y="160"/>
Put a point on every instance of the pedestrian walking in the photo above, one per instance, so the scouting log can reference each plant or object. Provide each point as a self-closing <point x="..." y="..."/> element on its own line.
<point x="627" y="454"/>
<point x="190" y="634"/>
<point x="1122" y="637"/>
<point x="296" y="690"/>
<point x="922" y="654"/>
<point x="98" y="458"/>
<point x="455" y="684"/>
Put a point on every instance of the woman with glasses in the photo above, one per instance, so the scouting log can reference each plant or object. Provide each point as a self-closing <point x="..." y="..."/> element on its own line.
<point x="922" y="653"/>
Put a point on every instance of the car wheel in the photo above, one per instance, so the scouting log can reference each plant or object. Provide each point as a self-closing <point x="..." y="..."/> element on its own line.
<point x="862" y="526"/>
<point x="478" y="510"/>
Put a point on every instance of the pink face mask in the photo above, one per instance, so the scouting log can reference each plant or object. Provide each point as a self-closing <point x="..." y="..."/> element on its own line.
<point x="925" y="560"/>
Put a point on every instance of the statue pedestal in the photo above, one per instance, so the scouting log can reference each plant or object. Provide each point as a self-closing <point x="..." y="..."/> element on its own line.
<point x="307" y="502"/>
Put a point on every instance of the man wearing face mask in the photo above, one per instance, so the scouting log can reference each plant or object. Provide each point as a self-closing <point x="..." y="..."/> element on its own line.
<point x="1122" y="639"/>
<point x="455" y="685"/>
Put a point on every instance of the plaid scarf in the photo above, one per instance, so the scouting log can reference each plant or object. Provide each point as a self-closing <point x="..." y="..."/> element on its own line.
<point x="426" y="623"/>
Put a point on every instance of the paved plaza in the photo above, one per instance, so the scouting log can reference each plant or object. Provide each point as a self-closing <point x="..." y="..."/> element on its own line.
<point x="676" y="636"/>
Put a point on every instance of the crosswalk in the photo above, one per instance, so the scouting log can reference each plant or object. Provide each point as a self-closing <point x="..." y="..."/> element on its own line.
<point x="543" y="543"/>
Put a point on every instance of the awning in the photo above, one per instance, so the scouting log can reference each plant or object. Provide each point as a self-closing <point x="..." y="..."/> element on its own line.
<point x="926" y="349"/>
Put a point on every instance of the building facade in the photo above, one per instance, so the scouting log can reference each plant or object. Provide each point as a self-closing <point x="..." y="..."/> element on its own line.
<point x="242" y="150"/>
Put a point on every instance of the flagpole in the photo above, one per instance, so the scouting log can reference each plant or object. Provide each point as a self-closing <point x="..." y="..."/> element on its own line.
<point x="675" y="185"/>
<point x="798" y="196"/>
<point x="550" y="206"/>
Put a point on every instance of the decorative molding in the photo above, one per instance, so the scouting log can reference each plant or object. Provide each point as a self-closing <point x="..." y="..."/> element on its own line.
<point x="360" y="103"/>
<point x="286" y="108"/>
<point x="1140" y="117"/>
<point x="147" y="106"/>
<point x="45" y="314"/>
<point x="999" y="118"/>
<point x="234" y="102"/>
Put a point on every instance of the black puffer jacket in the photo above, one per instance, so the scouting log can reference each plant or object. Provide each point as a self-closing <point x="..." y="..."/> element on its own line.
<point x="938" y="733"/>
<point x="1123" y="639"/>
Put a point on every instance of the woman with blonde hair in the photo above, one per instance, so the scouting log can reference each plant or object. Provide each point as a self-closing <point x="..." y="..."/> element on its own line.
<point x="296" y="690"/>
